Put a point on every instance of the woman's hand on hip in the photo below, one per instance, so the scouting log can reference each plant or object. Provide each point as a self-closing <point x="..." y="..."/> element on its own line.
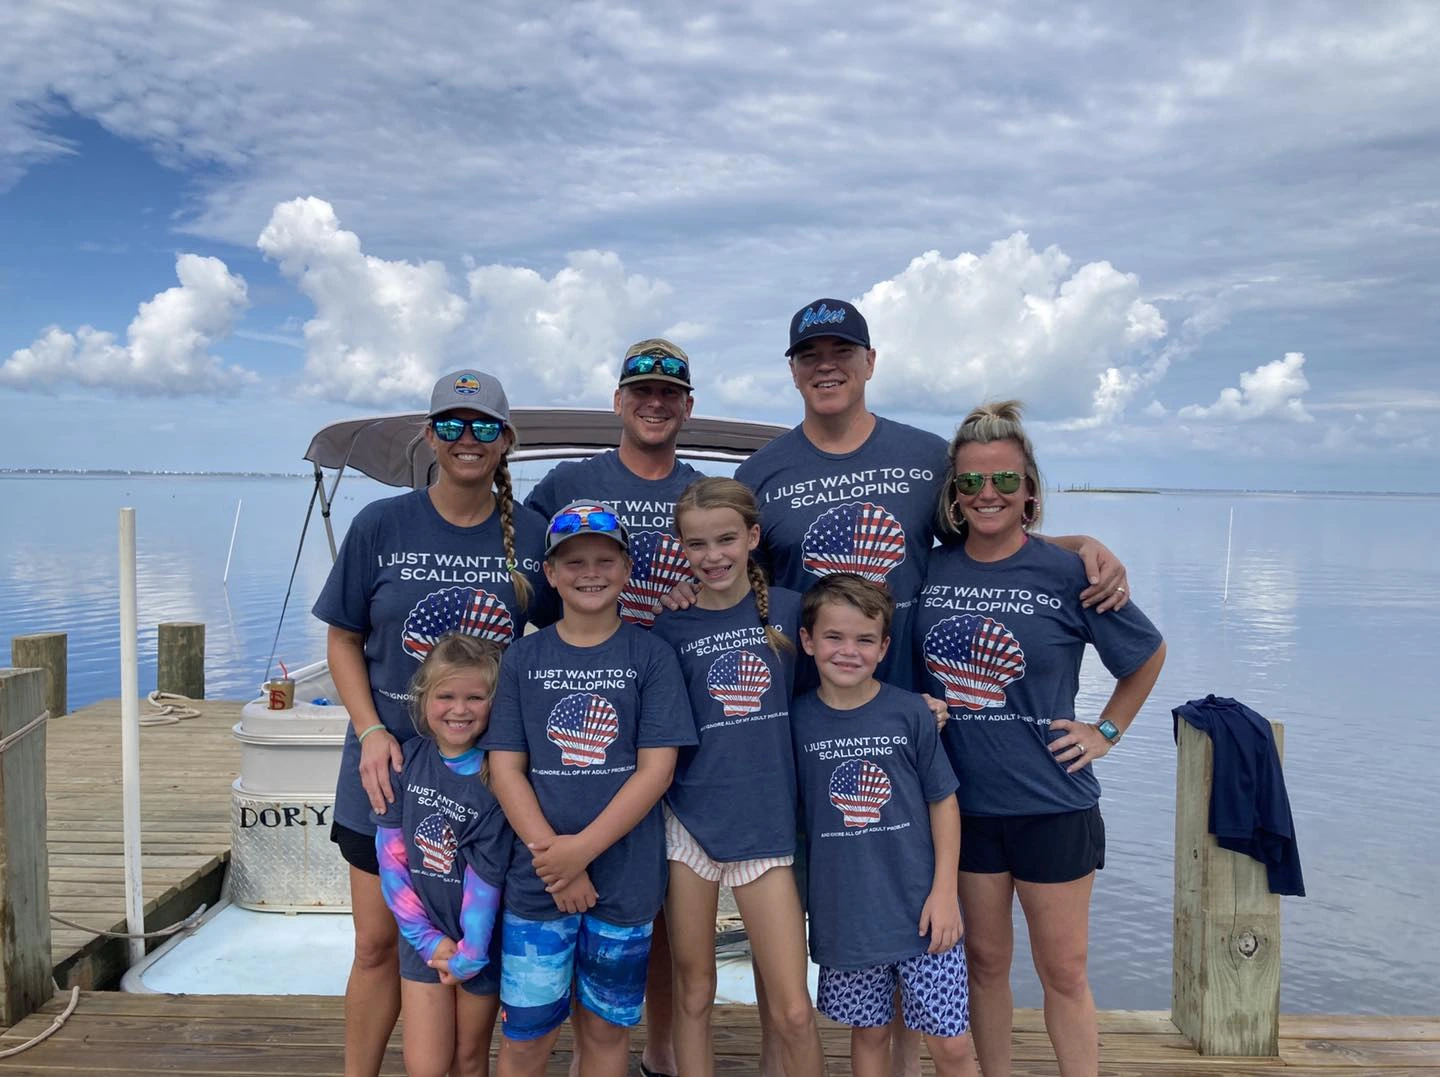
<point x="1081" y="745"/>
<point x="379" y="754"/>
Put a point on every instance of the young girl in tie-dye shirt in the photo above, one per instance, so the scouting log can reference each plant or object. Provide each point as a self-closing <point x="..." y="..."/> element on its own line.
<point x="444" y="848"/>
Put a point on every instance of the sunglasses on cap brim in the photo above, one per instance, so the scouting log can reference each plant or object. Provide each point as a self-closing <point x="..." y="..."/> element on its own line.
<point x="599" y="521"/>
<point x="667" y="365"/>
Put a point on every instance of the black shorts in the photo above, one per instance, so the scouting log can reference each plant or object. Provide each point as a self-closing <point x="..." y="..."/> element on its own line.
<point x="1057" y="848"/>
<point x="358" y="849"/>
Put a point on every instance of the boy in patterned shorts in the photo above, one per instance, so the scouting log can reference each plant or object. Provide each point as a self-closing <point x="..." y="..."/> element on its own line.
<point x="883" y="834"/>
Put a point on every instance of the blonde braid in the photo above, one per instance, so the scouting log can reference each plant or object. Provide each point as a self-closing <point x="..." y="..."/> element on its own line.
<point x="505" y="498"/>
<point x="779" y="642"/>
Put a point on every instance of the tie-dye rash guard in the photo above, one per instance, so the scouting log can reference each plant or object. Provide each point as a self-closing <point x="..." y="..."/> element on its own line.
<point x="418" y="876"/>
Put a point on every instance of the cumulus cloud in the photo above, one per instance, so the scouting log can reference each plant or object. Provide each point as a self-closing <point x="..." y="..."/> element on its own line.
<point x="380" y="328"/>
<point x="564" y="334"/>
<point x="1012" y="322"/>
<point x="1272" y="390"/>
<point x="384" y="330"/>
<point x="167" y="346"/>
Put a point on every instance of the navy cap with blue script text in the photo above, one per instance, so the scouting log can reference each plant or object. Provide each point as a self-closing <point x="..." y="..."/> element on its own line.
<point x="828" y="318"/>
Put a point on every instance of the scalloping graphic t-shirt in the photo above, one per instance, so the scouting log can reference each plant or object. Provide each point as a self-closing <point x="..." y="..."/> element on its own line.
<point x="870" y="512"/>
<point x="582" y="714"/>
<point x="403" y="578"/>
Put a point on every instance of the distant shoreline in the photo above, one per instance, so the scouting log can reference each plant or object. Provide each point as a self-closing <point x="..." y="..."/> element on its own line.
<point x="141" y="473"/>
<point x="1073" y="488"/>
<point x="1204" y="491"/>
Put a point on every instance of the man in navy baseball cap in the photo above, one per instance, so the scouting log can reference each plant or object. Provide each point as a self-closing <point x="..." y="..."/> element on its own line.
<point x="828" y="318"/>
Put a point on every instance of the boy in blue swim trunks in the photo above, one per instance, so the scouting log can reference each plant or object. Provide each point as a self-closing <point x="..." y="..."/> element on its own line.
<point x="883" y="831"/>
<point x="583" y="737"/>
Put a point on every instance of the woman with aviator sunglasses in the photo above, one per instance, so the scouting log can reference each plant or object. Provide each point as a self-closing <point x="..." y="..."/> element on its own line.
<point x="1000" y="635"/>
<point x="458" y="556"/>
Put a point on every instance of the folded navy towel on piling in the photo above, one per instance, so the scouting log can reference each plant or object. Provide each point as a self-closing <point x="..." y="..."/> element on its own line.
<point x="1249" y="808"/>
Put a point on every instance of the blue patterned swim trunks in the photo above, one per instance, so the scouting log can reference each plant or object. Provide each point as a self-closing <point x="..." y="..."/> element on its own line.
<point x="934" y="994"/>
<point x="543" y="958"/>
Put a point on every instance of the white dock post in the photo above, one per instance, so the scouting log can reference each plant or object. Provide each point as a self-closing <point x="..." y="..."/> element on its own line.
<point x="130" y="737"/>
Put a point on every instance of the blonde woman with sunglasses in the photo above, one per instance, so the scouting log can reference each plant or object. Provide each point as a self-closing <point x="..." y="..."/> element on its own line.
<point x="1000" y="635"/>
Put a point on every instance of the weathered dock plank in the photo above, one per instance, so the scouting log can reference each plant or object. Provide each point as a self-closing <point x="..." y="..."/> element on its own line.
<point x="303" y="1035"/>
<point x="186" y="770"/>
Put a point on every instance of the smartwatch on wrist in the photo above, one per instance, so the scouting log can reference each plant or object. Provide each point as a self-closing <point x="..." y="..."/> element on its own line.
<point x="1108" y="729"/>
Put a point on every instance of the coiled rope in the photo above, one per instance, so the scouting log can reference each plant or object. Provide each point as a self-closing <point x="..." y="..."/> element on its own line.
<point x="177" y="710"/>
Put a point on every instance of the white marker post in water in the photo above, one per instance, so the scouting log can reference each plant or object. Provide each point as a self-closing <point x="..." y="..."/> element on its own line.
<point x="1229" y="531"/>
<point x="233" y="531"/>
<point x="130" y="738"/>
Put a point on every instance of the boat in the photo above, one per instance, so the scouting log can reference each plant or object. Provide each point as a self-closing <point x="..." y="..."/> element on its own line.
<point x="282" y="860"/>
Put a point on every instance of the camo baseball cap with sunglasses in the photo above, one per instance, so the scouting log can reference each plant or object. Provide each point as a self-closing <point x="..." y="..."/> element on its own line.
<point x="656" y="359"/>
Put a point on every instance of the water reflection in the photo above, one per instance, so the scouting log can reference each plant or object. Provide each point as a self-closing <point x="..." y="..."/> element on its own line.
<point x="1330" y="636"/>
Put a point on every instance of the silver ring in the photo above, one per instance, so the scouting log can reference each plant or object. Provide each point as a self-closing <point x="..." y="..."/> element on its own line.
<point x="1120" y="590"/>
<point x="1081" y="747"/>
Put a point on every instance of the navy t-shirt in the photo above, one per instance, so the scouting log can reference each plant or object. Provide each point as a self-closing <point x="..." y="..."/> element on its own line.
<point x="867" y="778"/>
<point x="1001" y="643"/>
<point x="870" y="511"/>
<point x="405" y="577"/>
<point x="449" y="821"/>
<point x="735" y="792"/>
<point x="647" y="509"/>
<point x="582" y="714"/>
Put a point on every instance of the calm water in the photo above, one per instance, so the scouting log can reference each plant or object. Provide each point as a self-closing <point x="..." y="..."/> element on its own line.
<point x="1330" y="628"/>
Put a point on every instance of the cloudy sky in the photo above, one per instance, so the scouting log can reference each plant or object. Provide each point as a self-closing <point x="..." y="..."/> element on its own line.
<point x="1203" y="248"/>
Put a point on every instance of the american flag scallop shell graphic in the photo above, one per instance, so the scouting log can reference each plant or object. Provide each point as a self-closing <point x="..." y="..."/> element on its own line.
<point x="859" y="537"/>
<point x="975" y="658"/>
<point x="859" y="788"/>
<point x="457" y="609"/>
<point x="436" y="842"/>
<point x="582" y="726"/>
<point x="658" y="564"/>
<point x="737" y="680"/>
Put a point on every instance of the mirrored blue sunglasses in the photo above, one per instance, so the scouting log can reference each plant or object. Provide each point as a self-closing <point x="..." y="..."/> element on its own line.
<point x="572" y="523"/>
<point x="449" y="428"/>
<point x="668" y="365"/>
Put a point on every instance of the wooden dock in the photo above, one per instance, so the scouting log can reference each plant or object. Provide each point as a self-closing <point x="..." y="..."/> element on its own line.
<point x="131" y="1035"/>
<point x="186" y="771"/>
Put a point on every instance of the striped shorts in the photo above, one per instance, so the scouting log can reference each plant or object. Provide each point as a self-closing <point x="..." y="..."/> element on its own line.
<point x="681" y="846"/>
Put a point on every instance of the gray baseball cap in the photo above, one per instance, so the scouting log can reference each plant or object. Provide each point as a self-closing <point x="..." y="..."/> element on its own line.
<point x="472" y="389"/>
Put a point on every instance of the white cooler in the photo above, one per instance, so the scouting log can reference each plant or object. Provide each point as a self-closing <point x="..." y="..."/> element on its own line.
<point x="282" y="858"/>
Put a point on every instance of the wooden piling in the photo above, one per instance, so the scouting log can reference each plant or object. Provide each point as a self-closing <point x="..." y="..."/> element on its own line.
<point x="48" y="651"/>
<point x="24" y="854"/>
<point x="181" y="668"/>
<point x="1225" y="990"/>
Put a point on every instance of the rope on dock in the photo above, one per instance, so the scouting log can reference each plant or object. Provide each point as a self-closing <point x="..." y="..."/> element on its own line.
<point x="28" y="727"/>
<point x="55" y="1024"/>
<point x="169" y="713"/>
<point x="161" y="933"/>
